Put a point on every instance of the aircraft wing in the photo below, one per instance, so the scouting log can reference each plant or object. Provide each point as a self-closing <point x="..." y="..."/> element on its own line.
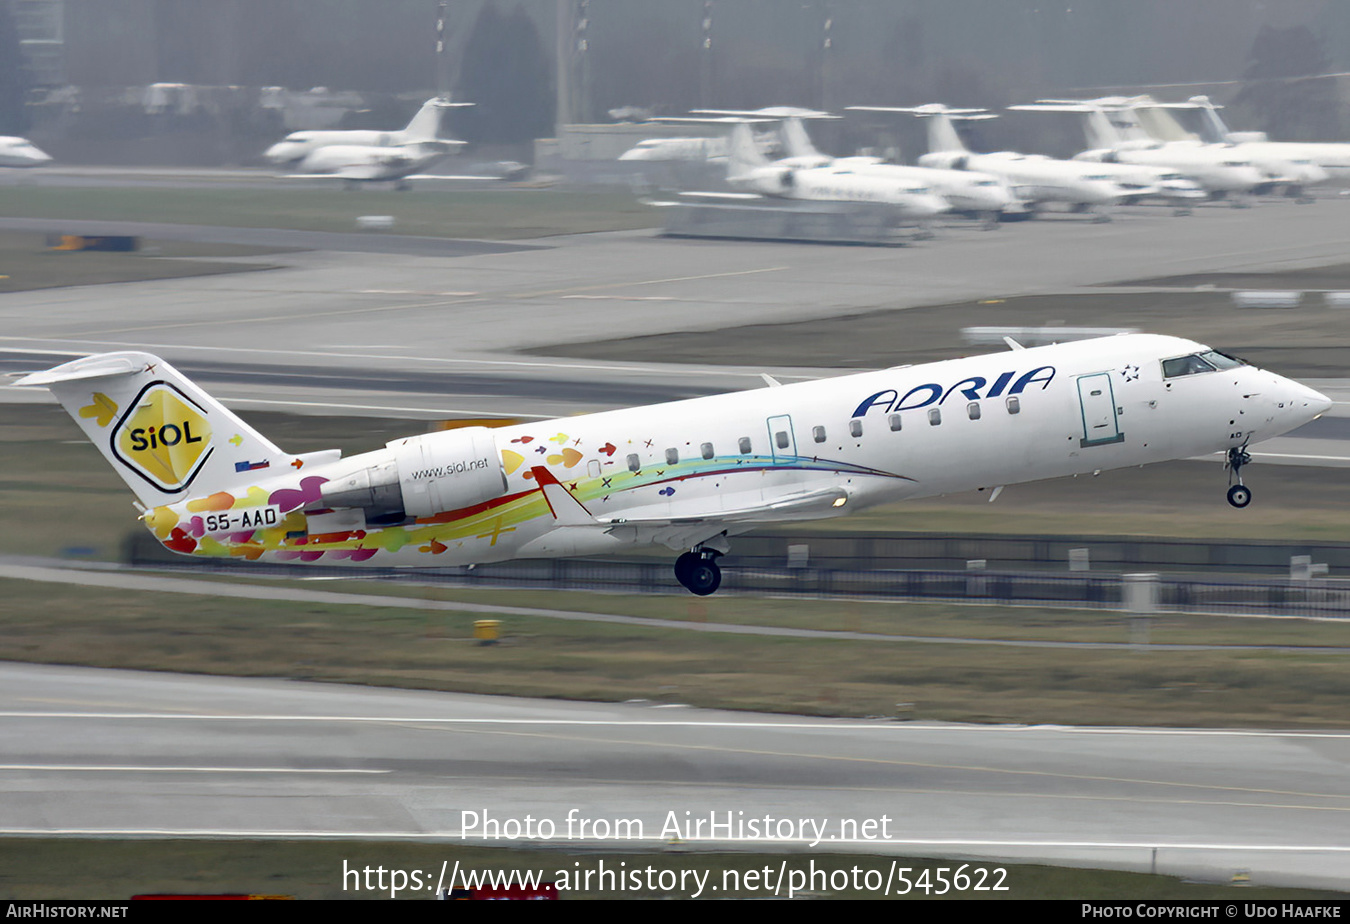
<point x="788" y="506"/>
<point x="698" y="511"/>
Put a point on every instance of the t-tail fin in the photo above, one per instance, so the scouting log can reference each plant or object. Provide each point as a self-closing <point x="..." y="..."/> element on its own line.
<point x="426" y="125"/>
<point x="742" y="154"/>
<point x="1100" y="132"/>
<point x="796" y="142"/>
<point x="166" y="437"/>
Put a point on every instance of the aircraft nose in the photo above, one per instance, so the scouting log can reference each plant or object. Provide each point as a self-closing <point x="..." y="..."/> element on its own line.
<point x="1313" y="174"/>
<point x="1316" y="402"/>
<point x="280" y="153"/>
<point x="1308" y="403"/>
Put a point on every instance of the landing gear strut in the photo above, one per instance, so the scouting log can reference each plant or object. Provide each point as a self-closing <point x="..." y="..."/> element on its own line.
<point x="1239" y="495"/>
<point x="698" y="571"/>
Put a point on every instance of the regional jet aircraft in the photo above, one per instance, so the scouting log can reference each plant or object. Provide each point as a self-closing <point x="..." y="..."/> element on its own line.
<point x="687" y="475"/>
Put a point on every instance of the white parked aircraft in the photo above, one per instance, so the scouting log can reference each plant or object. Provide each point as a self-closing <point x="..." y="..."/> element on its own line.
<point x="1033" y="178"/>
<point x="966" y="191"/>
<point x="296" y="147"/>
<point x="20" y="152"/>
<point x="687" y="475"/>
<point x="1115" y="136"/>
<point x="1331" y="156"/>
<point x="690" y="148"/>
<point x="750" y="170"/>
<point x="355" y="163"/>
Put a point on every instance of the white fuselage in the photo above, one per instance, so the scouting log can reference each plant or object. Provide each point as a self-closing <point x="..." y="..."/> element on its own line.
<point x="1329" y="159"/>
<point x="690" y="149"/>
<point x="965" y="190"/>
<point x="833" y="184"/>
<point x="20" y="152"/>
<point x="688" y="472"/>
<point x="297" y="146"/>
<point x="1217" y="170"/>
<point x="1034" y="178"/>
<point x="360" y="162"/>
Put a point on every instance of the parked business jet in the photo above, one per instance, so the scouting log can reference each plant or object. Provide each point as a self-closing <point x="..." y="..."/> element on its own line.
<point x="1331" y="156"/>
<point x="297" y="147"/>
<point x="689" y="148"/>
<point x="20" y="152"/>
<point x="1033" y="178"/>
<point x="1114" y="136"/>
<point x="356" y="163"/>
<point x="967" y="191"/>
<point x="748" y="169"/>
<point x="687" y="475"/>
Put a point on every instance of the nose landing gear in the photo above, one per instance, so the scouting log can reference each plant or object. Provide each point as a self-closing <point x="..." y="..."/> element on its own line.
<point x="1239" y="495"/>
<point x="698" y="572"/>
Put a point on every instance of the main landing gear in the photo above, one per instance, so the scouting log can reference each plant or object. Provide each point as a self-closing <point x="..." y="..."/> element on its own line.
<point x="1239" y="495"/>
<point x="698" y="571"/>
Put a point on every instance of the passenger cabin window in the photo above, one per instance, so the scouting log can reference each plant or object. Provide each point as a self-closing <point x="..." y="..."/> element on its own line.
<point x="672" y="456"/>
<point x="934" y="416"/>
<point x="1014" y="405"/>
<point x="634" y="463"/>
<point x="745" y="445"/>
<point x="894" y="421"/>
<point x="818" y="434"/>
<point x="707" y="450"/>
<point x="855" y="427"/>
<point x="973" y="410"/>
<point x="781" y="439"/>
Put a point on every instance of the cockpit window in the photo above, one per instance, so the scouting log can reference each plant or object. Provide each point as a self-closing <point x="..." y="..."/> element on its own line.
<point x="1186" y="365"/>
<point x="1222" y="360"/>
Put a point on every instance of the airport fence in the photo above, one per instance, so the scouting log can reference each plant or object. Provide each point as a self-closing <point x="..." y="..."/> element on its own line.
<point x="1320" y="598"/>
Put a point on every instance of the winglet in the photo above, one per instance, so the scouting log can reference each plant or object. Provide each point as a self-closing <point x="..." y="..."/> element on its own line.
<point x="567" y="510"/>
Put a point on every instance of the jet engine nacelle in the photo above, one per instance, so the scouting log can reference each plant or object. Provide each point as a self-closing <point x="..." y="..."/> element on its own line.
<point x="422" y="475"/>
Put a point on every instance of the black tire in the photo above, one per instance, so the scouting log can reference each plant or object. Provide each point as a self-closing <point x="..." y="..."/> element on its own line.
<point x="682" y="566"/>
<point x="1239" y="495"/>
<point x="703" y="578"/>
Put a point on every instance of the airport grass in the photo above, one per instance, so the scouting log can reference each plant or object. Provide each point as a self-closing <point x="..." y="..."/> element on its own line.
<point x="28" y="262"/>
<point x="497" y="214"/>
<point x="113" y="869"/>
<point x="375" y="645"/>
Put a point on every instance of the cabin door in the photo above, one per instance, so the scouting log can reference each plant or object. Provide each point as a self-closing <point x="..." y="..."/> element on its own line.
<point x="1097" y="403"/>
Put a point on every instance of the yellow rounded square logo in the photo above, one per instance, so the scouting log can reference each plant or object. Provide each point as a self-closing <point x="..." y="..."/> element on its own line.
<point x="164" y="437"/>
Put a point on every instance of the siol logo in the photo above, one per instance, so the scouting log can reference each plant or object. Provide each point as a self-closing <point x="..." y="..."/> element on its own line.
<point x="165" y="437"/>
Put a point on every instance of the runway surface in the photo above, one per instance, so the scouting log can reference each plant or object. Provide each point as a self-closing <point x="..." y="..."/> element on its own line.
<point x="116" y="753"/>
